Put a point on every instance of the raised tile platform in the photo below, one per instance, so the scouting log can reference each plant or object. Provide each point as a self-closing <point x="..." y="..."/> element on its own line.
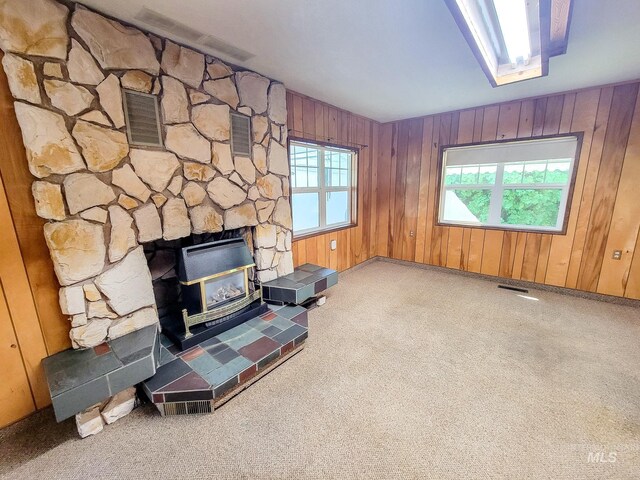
<point x="79" y="379"/>
<point x="305" y="282"/>
<point x="202" y="378"/>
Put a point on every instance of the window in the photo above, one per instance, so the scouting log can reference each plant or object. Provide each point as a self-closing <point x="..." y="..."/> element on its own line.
<point x="513" y="185"/>
<point x="322" y="187"/>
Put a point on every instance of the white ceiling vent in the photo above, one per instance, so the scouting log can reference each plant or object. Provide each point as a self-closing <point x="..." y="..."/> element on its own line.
<point x="240" y="135"/>
<point x="142" y="118"/>
<point x="170" y="26"/>
<point x="225" y="48"/>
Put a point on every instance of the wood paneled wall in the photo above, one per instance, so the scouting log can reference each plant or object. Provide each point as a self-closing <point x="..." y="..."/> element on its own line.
<point x="313" y="120"/>
<point x="604" y="212"/>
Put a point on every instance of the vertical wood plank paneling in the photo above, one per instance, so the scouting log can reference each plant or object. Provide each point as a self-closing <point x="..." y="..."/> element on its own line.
<point x="433" y="175"/>
<point x="399" y="170"/>
<point x="586" y="200"/>
<point x="374" y="138"/>
<point x="414" y="157"/>
<point x="319" y="110"/>
<point x="22" y="346"/>
<point x="618" y="128"/>
<point x="314" y="120"/>
<point x="308" y="118"/>
<point x="423" y="192"/>
<point x="357" y="234"/>
<point x="16" y="401"/>
<point x="383" y="189"/>
<point x="298" y="127"/>
<point x="633" y="282"/>
<point x="364" y="210"/>
<point x="599" y="219"/>
<point x="435" y="237"/>
<point x="400" y="190"/>
<point x="582" y="120"/>
<point x="625" y="221"/>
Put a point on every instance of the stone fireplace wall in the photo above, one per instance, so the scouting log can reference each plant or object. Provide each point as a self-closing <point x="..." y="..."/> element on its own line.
<point x="103" y="197"/>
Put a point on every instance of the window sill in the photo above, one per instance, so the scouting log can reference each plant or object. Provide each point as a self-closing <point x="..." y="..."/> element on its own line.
<point x="304" y="236"/>
<point x="505" y="228"/>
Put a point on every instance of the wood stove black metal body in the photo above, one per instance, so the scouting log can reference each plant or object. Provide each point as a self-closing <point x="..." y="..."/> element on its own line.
<point x="217" y="291"/>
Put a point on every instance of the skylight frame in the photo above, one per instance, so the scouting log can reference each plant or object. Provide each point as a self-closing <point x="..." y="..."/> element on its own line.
<point x="476" y="31"/>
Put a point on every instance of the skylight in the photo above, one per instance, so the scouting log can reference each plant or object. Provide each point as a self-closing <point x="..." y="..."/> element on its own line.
<point x="510" y="38"/>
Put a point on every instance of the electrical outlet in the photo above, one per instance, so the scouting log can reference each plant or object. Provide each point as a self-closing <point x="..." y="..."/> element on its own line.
<point x="334" y="244"/>
<point x="411" y="233"/>
<point x="617" y="254"/>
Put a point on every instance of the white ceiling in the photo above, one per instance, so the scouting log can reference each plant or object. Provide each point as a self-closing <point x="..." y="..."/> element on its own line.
<point x="395" y="59"/>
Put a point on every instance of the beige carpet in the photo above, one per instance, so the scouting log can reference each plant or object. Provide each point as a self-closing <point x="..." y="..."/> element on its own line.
<point x="407" y="373"/>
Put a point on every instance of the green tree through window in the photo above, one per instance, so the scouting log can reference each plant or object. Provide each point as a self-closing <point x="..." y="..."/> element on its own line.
<point x="500" y="190"/>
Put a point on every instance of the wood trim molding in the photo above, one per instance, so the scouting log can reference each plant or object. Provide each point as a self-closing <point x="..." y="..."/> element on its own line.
<point x="560" y="22"/>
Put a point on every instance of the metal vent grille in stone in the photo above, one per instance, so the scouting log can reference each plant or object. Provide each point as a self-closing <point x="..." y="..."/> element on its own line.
<point x="143" y="119"/>
<point x="241" y="135"/>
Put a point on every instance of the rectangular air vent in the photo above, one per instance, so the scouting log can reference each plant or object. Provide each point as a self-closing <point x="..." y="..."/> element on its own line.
<point x="155" y="19"/>
<point x="223" y="47"/>
<point x="170" y="26"/>
<point x="240" y="135"/>
<point x="143" y="119"/>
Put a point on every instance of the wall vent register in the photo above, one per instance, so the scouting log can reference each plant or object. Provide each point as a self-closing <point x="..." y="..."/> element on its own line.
<point x="142" y="119"/>
<point x="241" y="135"/>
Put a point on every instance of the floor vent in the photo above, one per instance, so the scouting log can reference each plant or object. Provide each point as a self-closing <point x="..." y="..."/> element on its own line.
<point x="240" y="135"/>
<point x="143" y="119"/>
<point x="515" y="289"/>
<point x="186" y="408"/>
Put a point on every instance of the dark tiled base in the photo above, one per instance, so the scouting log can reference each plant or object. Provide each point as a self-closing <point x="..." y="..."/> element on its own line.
<point x="79" y="379"/>
<point x="305" y="282"/>
<point x="206" y="375"/>
<point x="174" y="328"/>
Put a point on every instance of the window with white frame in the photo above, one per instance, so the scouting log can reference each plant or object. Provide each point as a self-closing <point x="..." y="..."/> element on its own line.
<point x="513" y="185"/>
<point x="323" y="193"/>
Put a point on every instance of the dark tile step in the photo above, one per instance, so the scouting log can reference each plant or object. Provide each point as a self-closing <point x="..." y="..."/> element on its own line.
<point x="305" y="282"/>
<point x="78" y="379"/>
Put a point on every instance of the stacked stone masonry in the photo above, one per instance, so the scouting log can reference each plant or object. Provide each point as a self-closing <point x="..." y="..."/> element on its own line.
<point x="102" y="196"/>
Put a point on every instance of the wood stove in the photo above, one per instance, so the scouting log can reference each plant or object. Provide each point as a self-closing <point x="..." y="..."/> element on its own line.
<point x="217" y="290"/>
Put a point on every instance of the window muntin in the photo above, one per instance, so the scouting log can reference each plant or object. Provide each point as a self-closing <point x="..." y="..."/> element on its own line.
<point x="516" y="185"/>
<point x="323" y="194"/>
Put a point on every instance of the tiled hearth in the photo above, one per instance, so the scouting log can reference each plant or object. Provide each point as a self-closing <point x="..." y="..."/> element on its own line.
<point x="180" y="380"/>
<point x="203" y="377"/>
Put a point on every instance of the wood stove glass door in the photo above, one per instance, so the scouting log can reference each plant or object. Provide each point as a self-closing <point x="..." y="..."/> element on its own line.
<point x="222" y="290"/>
